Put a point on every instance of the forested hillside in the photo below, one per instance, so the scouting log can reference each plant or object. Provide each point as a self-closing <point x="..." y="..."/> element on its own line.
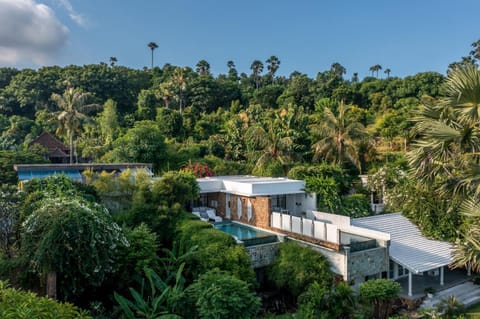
<point x="259" y="121"/>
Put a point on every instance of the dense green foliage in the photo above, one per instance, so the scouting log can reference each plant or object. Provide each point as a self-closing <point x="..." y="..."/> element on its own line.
<point x="297" y="267"/>
<point x="221" y="295"/>
<point x="74" y="238"/>
<point x="215" y="250"/>
<point x="157" y="298"/>
<point x="323" y="303"/>
<point x="9" y="158"/>
<point x="380" y="293"/>
<point x="25" y="305"/>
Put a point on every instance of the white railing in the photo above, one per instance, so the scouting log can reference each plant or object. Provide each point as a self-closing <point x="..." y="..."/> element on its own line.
<point x="307" y="227"/>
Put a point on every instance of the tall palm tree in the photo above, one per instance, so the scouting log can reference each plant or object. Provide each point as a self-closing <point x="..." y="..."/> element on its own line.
<point x="257" y="69"/>
<point x="475" y="53"/>
<point x="273" y="65"/>
<point x="113" y="60"/>
<point x="337" y="69"/>
<point x="355" y="77"/>
<point x="180" y="81"/>
<point x="447" y="153"/>
<point x="375" y="68"/>
<point x="152" y="46"/>
<point x="73" y="105"/>
<point x="203" y="67"/>
<point x="232" y="72"/>
<point x="166" y="92"/>
<point x="387" y="72"/>
<point x="337" y="136"/>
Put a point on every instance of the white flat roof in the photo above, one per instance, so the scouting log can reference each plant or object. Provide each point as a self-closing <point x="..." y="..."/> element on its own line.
<point x="247" y="185"/>
<point x="408" y="247"/>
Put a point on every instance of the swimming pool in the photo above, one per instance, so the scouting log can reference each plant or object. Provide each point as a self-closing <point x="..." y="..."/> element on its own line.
<point x="246" y="235"/>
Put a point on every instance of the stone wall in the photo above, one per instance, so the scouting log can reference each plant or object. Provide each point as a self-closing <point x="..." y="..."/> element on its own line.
<point x="364" y="263"/>
<point x="260" y="206"/>
<point x="263" y="255"/>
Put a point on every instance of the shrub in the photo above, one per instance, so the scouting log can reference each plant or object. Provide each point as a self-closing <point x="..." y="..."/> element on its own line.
<point x="131" y="260"/>
<point x="356" y="205"/>
<point x="323" y="303"/>
<point x="380" y="293"/>
<point x="298" y="267"/>
<point x="215" y="250"/>
<point x="218" y="294"/>
<point x="20" y="304"/>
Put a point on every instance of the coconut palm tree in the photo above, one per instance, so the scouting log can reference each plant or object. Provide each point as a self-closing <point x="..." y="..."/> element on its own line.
<point x="257" y="69"/>
<point x="180" y="81"/>
<point x="152" y="46"/>
<point x="337" y="136"/>
<point x="273" y="65"/>
<point x="71" y="116"/>
<point x="274" y="139"/>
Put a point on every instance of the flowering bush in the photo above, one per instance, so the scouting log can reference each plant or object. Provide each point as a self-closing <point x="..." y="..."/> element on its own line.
<point x="199" y="170"/>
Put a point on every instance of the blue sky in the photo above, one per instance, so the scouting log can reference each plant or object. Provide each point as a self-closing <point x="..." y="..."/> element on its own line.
<point x="406" y="36"/>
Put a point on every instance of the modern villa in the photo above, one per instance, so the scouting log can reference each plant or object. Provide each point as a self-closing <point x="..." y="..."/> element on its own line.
<point x="380" y="246"/>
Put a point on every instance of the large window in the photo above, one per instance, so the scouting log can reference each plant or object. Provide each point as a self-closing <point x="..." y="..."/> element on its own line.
<point x="279" y="202"/>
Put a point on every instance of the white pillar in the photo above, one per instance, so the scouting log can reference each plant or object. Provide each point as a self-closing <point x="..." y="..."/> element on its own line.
<point x="441" y="276"/>
<point x="395" y="270"/>
<point x="469" y="269"/>
<point x="410" y="283"/>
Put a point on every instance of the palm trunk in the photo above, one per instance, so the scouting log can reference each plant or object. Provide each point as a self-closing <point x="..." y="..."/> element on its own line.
<point x="71" y="147"/>
<point x="52" y="285"/>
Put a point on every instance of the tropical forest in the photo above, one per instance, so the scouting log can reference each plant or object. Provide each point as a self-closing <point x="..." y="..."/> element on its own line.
<point x="129" y="247"/>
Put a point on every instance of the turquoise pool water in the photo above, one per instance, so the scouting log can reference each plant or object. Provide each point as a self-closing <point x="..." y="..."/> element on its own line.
<point x="248" y="235"/>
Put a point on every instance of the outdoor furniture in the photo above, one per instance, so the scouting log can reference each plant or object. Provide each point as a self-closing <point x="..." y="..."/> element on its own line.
<point x="212" y="216"/>
<point x="202" y="215"/>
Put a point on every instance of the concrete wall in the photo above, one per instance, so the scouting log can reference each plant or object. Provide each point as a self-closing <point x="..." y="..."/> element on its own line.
<point x="339" y="220"/>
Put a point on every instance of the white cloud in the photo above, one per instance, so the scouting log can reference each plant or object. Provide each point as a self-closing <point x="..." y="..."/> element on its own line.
<point x="75" y="16"/>
<point x="29" y="33"/>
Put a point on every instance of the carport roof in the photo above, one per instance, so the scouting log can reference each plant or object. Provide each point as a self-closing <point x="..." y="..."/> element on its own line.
<point x="408" y="247"/>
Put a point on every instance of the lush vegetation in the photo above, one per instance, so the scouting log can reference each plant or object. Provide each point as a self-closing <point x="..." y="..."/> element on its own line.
<point x="20" y="304"/>
<point x="417" y="137"/>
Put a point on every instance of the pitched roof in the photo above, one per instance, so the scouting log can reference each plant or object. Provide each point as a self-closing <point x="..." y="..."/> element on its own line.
<point x="58" y="153"/>
<point x="50" y="142"/>
<point x="408" y="247"/>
